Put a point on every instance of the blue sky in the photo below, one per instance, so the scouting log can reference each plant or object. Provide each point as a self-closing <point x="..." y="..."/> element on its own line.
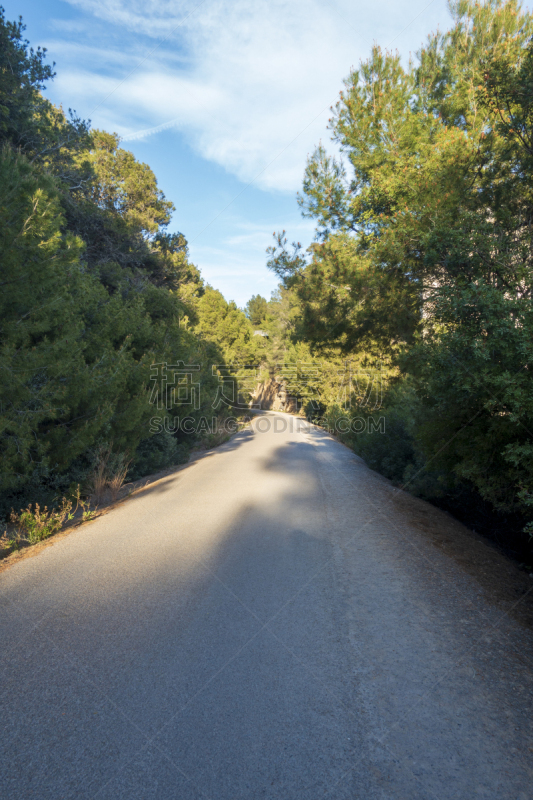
<point x="224" y="100"/>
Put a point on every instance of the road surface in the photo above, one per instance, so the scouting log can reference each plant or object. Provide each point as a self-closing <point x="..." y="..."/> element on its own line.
<point x="272" y="621"/>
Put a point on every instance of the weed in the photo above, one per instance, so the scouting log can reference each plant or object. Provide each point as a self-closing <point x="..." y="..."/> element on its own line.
<point x="109" y="475"/>
<point x="87" y="512"/>
<point x="7" y="544"/>
<point x="98" y="481"/>
<point x="36" y="524"/>
<point x="116" y="478"/>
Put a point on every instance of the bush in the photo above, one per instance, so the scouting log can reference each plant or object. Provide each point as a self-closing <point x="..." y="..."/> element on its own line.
<point x="159" y="451"/>
<point x="35" y="524"/>
<point x="396" y="453"/>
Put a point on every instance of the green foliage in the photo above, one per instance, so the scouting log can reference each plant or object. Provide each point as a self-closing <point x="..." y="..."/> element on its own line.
<point x="23" y="74"/>
<point x="95" y="294"/>
<point x="225" y="325"/>
<point x="474" y="380"/>
<point x="28" y="121"/>
<point x="423" y="253"/>
<point x="416" y="142"/>
<point x="40" y="358"/>
<point x="35" y="523"/>
<point x="281" y="324"/>
<point x="121" y="215"/>
<point x="395" y="451"/>
<point x="154" y="454"/>
<point x="124" y="186"/>
<point x="75" y="361"/>
<point x="256" y="310"/>
<point x="316" y="381"/>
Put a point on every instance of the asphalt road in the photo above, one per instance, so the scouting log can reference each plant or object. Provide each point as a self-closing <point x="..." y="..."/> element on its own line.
<point x="272" y="621"/>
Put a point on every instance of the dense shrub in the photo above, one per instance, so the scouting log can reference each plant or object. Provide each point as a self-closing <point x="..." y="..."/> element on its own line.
<point x="159" y="451"/>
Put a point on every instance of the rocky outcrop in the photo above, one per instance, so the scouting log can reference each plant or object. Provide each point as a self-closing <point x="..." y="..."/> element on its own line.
<point x="272" y="395"/>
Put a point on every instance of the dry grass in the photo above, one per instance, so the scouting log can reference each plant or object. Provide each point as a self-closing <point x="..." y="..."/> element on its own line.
<point x="116" y="478"/>
<point x="109" y="476"/>
<point x="97" y="483"/>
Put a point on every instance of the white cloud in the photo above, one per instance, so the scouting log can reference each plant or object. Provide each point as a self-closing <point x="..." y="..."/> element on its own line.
<point x="236" y="274"/>
<point x="154" y="18"/>
<point x="249" y="83"/>
<point x="237" y="265"/>
<point x="259" y="237"/>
